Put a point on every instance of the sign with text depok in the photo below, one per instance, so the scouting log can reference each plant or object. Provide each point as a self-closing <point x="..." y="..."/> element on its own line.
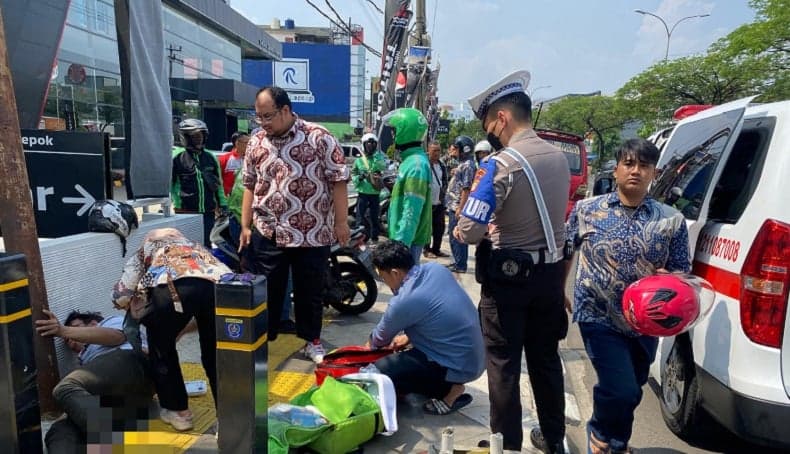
<point x="67" y="172"/>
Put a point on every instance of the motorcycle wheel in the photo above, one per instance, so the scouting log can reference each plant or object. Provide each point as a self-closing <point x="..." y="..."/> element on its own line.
<point x="358" y="289"/>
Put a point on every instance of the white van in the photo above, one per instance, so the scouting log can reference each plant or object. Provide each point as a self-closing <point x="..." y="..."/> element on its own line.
<point x="727" y="169"/>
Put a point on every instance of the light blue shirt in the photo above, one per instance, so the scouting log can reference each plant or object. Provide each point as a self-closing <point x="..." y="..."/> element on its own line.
<point x="440" y="320"/>
<point x="91" y="351"/>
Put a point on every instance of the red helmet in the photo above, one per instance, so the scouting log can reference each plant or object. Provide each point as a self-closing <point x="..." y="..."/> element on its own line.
<point x="666" y="304"/>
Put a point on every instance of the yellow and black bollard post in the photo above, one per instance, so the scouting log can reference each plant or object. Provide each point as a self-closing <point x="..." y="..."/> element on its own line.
<point x="242" y="326"/>
<point x="20" y="420"/>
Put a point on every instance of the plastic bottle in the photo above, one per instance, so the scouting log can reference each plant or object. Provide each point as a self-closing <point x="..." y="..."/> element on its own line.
<point x="308" y="417"/>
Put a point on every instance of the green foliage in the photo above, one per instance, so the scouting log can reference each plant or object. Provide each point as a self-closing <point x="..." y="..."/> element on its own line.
<point x="761" y="49"/>
<point x="752" y="60"/>
<point x="472" y="128"/>
<point x="599" y="117"/>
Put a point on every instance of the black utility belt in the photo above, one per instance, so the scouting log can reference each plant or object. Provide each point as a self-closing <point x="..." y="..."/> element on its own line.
<point x="510" y="266"/>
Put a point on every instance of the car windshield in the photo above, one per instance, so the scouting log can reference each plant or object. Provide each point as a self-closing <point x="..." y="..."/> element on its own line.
<point x="572" y="153"/>
<point x="687" y="164"/>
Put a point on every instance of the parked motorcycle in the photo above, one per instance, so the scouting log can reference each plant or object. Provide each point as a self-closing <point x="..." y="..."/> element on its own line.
<point x="350" y="282"/>
<point x="388" y="180"/>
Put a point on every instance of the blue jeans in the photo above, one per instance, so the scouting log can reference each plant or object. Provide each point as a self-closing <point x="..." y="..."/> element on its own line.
<point x="622" y="364"/>
<point x="416" y="252"/>
<point x="287" y="300"/>
<point x="459" y="250"/>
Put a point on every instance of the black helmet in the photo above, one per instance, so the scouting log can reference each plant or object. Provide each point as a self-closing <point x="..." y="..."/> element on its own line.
<point x="465" y="146"/>
<point x="190" y="125"/>
<point x="111" y="216"/>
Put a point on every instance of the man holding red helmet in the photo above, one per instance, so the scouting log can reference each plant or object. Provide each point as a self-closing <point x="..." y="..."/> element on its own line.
<point x="621" y="237"/>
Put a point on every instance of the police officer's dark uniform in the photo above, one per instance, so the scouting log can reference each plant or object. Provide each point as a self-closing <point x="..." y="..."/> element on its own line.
<point x="522" y="303"/>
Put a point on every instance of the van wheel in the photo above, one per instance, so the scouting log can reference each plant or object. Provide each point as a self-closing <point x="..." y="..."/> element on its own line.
<point x="680" y="396"/>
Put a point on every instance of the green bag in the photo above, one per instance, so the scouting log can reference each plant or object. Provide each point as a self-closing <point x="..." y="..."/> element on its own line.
<point x="354" y="415"/>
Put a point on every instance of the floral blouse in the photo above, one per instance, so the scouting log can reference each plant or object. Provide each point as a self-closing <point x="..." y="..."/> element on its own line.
<point x="164" y="253"/>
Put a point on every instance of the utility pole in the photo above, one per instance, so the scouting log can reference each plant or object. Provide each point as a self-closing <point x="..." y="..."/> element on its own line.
<point x="19" y="224"/>
<point x="420" y="31"/>
<point x="171" y="57"/>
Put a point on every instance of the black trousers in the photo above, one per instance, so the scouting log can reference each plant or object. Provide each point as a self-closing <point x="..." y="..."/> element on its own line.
<point x="164" y="324"/>
<point x="368" y="205"/>
<point x="308" y="266"/>
<point x="529" y="318"/>
<point x="109" y="393"/>
<point x="412" y="372"/>
<point x="437" y="226"/>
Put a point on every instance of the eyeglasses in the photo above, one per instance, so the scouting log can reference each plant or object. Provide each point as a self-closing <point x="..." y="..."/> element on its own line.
<point x="267" y="117"/>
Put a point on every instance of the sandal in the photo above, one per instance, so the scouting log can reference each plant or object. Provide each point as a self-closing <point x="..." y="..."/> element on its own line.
<point x="440" y="407"/>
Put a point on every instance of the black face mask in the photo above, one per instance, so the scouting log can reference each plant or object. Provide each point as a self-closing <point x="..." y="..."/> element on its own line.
<point x="493" y="139"/>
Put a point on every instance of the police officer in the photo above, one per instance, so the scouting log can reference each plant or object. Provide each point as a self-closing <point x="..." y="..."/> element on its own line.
<point x="520" y="262"/>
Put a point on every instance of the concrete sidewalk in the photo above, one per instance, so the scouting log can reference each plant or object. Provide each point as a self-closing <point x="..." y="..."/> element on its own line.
<point x="290" y="371"/>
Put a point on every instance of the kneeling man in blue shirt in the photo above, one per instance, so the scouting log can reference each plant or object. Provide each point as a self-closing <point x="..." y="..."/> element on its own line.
<point x="433" y="326"/>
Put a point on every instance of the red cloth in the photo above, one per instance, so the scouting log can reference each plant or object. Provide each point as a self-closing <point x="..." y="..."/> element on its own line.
<point x="230" y="164"/>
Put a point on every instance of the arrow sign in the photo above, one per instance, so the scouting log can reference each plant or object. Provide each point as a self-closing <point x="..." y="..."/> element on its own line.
<point x="86" y="200"/>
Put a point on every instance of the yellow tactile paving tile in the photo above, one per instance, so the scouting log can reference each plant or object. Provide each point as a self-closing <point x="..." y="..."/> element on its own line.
<point x="284" y="385"/>
<point x="162" y="438"/>
<point x="279" y="350"/>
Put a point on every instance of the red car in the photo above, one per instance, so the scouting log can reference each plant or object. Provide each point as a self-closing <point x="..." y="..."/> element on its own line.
<point x="576" y="153"/>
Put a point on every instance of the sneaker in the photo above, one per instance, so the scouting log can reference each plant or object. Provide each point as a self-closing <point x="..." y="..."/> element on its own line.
<point x="179" y="423"/>
<point x="315" y="351"/>
<point x="441" y="254"/>
<point x="428" y="255"/>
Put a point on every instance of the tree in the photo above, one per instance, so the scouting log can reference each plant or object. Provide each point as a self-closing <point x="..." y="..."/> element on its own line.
<point x="653" y="95"/>
<point x="472" y="128"/>
<point x="601" y="116"/>
<point x="763" y="46"/>
<point x="752" y="60"/>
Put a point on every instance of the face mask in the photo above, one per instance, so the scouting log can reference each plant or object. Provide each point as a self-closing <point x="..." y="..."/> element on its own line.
<point x="493" y="139"/>
<point x="194" y="141"/>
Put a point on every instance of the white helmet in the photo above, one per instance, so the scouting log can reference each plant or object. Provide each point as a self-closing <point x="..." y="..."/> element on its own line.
<point x="483" y="145"/>
<point x="369" y="136"/>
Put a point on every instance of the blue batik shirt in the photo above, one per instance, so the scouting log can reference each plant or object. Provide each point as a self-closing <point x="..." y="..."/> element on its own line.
<point x="620" y="245"/>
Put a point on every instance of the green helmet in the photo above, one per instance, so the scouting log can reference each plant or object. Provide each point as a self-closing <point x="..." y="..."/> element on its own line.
<point x="408" y="124"/>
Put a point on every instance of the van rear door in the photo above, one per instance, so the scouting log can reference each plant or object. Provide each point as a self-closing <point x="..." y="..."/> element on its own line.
<point x="692" y="161"/>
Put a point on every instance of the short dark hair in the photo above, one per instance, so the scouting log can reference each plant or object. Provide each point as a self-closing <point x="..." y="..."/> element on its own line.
<point x="392" y="255"/>
<point x="85" y="317"/>
<point x="518" y="104"/>
<point x="641" y="149"/>
<point x="236" y="135"/>
<point x="435" y="142"/>
<point x="279" y="96"/>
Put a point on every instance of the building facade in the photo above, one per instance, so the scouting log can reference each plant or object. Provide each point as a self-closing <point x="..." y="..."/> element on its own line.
<point x="205" y="43"/>
<point x="336" y="63"/>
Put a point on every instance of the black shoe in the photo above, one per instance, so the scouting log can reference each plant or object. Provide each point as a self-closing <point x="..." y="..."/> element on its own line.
<point x="455" y="269"/>
<point x="287" y="327"/>
<point x="536" y="437"/>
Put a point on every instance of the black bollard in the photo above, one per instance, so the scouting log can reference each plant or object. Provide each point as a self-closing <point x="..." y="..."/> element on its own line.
<point x="241" y="323"/>
<point x="20" y="419"/>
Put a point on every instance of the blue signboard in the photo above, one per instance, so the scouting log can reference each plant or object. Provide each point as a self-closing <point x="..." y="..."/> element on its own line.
<point x="316" y="76"/>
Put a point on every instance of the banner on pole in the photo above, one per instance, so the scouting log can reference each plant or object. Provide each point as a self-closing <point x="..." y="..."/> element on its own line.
<point x="391" y="57"/>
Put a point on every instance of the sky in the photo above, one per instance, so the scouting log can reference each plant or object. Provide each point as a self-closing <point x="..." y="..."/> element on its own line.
<point x="569" y="46"/>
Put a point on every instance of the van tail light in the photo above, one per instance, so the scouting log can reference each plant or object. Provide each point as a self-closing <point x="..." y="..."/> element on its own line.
<point x="765" y="278"/>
